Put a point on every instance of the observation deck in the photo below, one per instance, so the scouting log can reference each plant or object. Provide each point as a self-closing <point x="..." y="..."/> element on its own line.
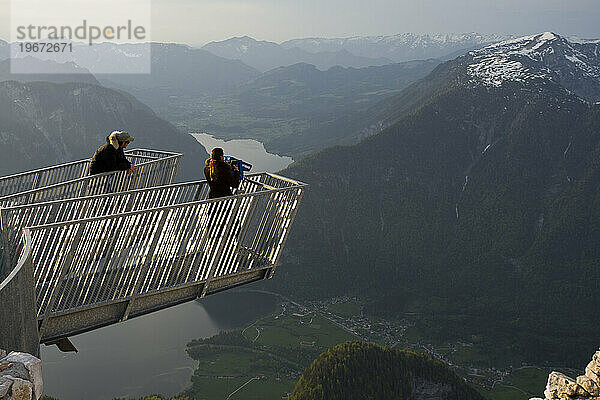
<point x="82" y="252"/>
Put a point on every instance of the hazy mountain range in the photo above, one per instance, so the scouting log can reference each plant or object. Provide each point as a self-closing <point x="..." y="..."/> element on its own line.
<point x="125" y="58"/>
<point x="264" y="55"/>
<point x="55" y="72"/>
<point x="175" y="68"/>
<point x="355" y="52"/>
<point x="478" y="208"/>
<point x="301" y="90"/>
<point x="179" y="69"/>
<point x="400" y="47"/>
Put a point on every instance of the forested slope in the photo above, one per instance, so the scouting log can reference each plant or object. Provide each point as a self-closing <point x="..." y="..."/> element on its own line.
<point x="358" y="370"/>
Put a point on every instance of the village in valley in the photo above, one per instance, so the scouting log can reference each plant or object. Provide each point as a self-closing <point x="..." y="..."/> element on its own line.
<point x="271" y="352"/>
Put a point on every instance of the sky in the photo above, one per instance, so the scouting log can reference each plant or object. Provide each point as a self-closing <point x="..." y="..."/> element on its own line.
<point x="200" y="21"/>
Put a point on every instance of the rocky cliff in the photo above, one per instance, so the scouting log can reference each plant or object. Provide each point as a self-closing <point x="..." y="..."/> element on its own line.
<point x="20" y="376"/>
<point x="587" y="386"/>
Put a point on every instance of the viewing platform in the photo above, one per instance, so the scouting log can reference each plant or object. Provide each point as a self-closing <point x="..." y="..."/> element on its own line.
<point x="82" y="252"/>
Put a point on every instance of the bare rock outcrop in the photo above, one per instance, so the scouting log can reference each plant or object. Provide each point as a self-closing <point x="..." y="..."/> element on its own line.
<point x="585" y="387"/>
<point x="20" y="376"/>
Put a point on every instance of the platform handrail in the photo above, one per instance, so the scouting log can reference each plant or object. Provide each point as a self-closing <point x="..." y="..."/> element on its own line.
<point x="40" y="177"/>
<point x="13" y="219"/>
<point x="157" y="171"/>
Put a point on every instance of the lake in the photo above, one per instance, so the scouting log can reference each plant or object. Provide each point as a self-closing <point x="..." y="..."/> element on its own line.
<point x="146" y="355"/>
<point x="248" y="150"/>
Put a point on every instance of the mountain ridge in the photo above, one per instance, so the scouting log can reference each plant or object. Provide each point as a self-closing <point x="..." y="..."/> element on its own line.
<point x="180" y="69"/>
<point x="55" y="72"/>
<point x="43" y="123"/>
<point x="399" y="47"/>
<point x="542" y="56"/>
<point x="463" y="70"/>
<point x="463" y="211"/>
<point x="264" y="55"/>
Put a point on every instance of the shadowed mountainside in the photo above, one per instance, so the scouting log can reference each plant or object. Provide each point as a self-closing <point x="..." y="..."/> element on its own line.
<point x="477" y="210"/>
<point x="43" y="123"/>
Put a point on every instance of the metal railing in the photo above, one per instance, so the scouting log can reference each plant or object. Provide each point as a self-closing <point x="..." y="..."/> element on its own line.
<point x="118" y="251"/>
<point x="14" y="219"/>
<point x="73" y="180"/>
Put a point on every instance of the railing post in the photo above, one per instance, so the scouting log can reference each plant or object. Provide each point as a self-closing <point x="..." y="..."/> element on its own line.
<point x="18" y="326"/>
<point x="244" y="227"/>
<point x="5" y="244"/>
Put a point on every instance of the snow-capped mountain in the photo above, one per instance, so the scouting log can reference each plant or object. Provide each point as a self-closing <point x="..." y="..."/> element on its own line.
<point x="573" y="64"/>
<point x="401" y="47"/>
<point x="264" y="55"/>
<point x="503" y="180"/>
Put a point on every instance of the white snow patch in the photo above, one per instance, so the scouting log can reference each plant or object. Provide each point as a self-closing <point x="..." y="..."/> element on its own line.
<point x="547" y="36"/>
<point x="494" y="70"/>
<point x="530" y="57"/>
<point x="575" y="39"/>
<point x="573" y="59"/>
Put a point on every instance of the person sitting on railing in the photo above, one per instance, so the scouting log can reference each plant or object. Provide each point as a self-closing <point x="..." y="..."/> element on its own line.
<point x="221" y="176"/>
<point x="111" y="157"/>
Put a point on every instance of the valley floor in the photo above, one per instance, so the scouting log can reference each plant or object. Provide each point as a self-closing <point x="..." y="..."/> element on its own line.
<point x="264" y="359"/>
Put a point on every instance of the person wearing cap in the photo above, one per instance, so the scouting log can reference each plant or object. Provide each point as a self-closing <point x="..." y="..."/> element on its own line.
<point x="221" y="176"/>
<point x="110" y="157"/>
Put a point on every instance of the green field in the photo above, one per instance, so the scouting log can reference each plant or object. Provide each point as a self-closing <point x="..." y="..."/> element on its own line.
<point x="532" y="380"/>
<point x="522" y="384"/>
<point x="257" y="389"/>
<point x="501" y="392"/>
<point x="297" y="332"/>
<point x="269" y="355"/>
<point x="345" y="309"/>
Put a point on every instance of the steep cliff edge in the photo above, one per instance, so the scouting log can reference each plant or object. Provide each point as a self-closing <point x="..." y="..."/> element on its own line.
<point x="585" y="387"/>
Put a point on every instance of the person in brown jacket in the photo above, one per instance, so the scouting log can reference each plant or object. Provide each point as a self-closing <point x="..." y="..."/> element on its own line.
<point x="221" y="176"/>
